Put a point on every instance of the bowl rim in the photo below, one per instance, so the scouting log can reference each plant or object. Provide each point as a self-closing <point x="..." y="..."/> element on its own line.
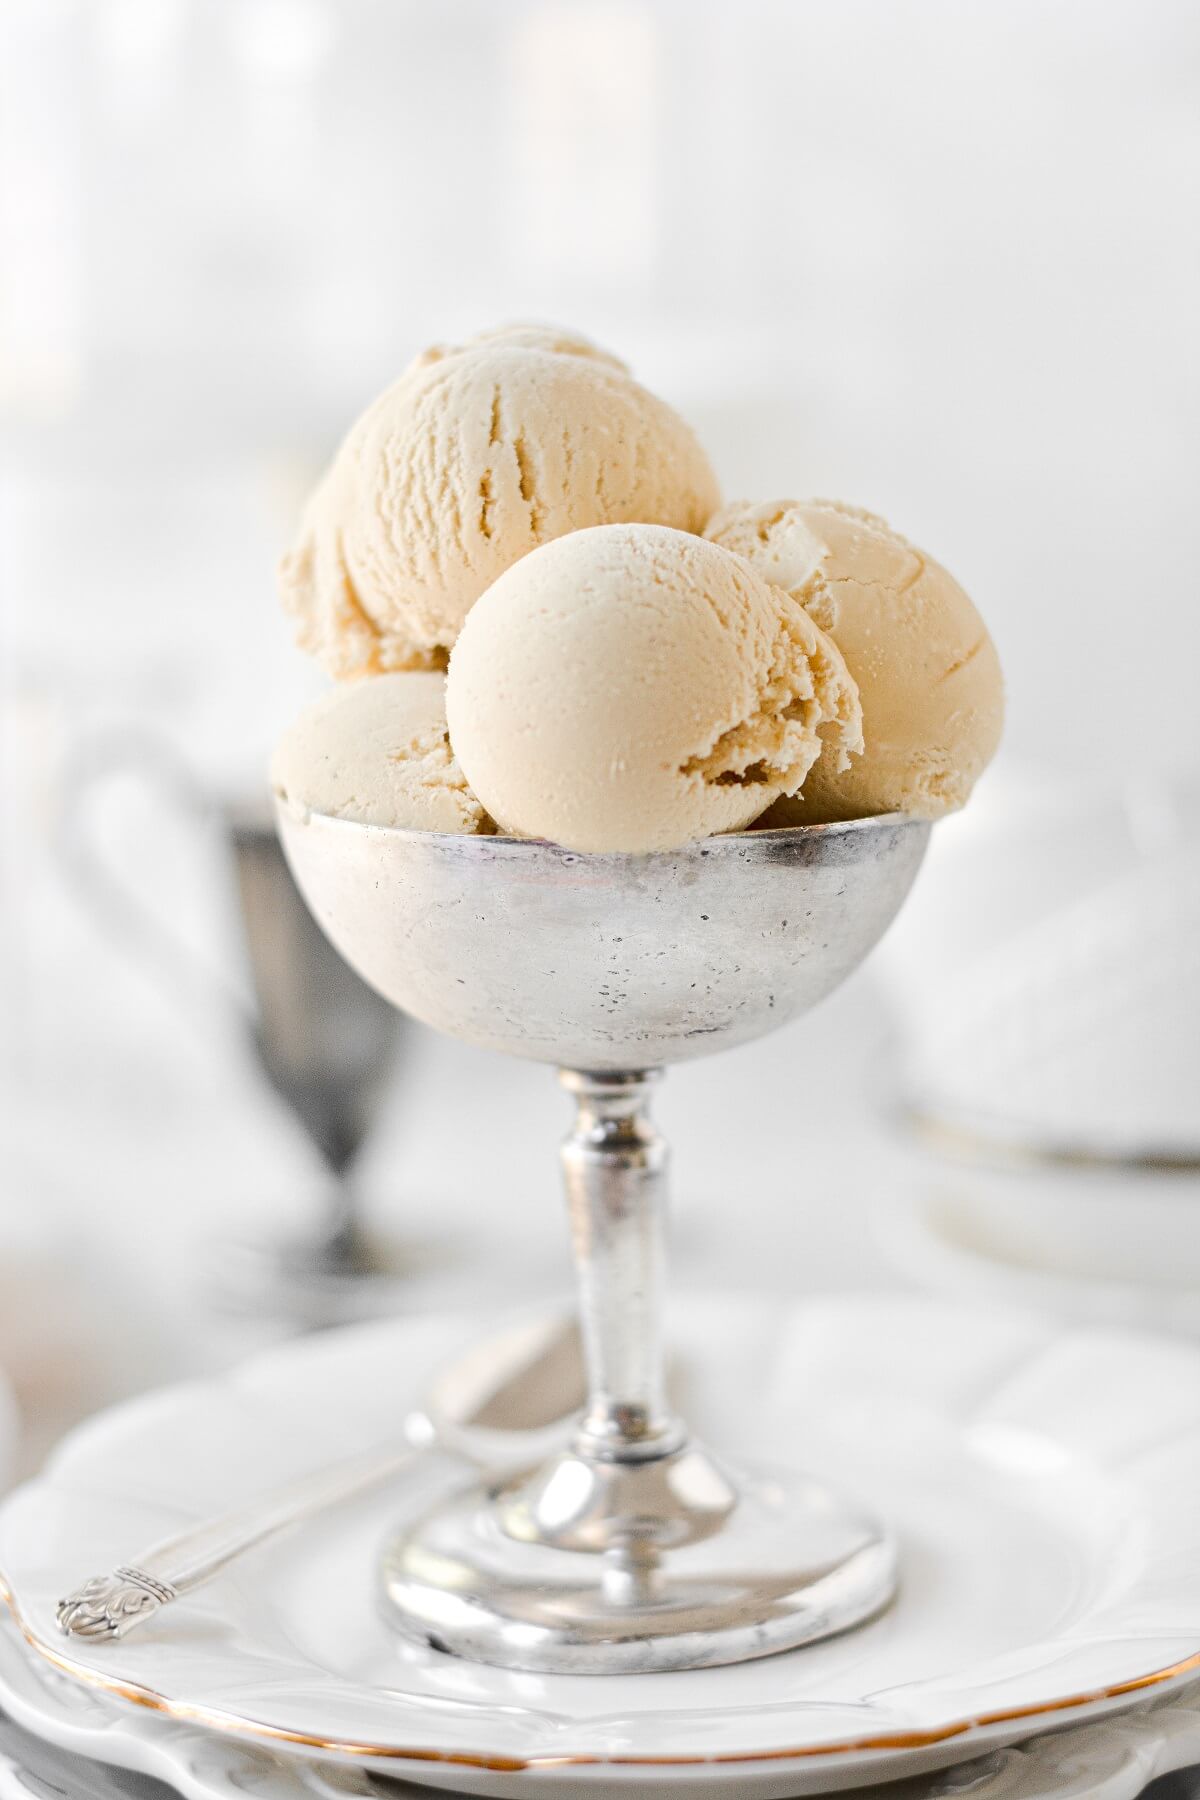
<point x="769" y="834"/>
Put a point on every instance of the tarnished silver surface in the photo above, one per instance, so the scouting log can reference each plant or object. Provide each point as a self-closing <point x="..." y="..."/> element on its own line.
<point x="605" y="961"/>
<point x="615" y="1172"/>
<point x="632" y="1550"/>
<point x="613" y="1568"/>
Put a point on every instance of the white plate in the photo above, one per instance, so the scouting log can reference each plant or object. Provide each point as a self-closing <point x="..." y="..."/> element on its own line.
<point x="1042" y="1482"/>
<point x="121" y="1746"/>
<point x="64" y="1720"/>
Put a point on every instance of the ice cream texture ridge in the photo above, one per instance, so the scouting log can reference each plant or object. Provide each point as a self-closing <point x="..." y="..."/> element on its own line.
<point x="475" y="457"/>
<point x="927" y="671"/>
<point x="541" y="620"/>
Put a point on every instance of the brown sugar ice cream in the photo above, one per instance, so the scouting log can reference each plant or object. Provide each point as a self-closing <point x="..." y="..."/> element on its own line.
<point x="927" y="671"/>
<point x="632" y="688"/>
<point x="475" y="457"/>
<point x="377" y="751"/>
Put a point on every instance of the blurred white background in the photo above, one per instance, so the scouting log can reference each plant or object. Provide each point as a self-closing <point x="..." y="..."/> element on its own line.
<point x="936" y="258"/>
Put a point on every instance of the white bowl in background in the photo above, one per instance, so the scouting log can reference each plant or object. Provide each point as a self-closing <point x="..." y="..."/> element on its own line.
<point x="1046" y="974"/>
<point x="1086" y="1246"/>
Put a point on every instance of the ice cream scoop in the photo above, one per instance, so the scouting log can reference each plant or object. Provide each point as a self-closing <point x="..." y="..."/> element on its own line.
<point x="475" y="457"/>
<point x="632" y="687"/>
<point x="927" y="670"/>
<point x="377" y="751"/>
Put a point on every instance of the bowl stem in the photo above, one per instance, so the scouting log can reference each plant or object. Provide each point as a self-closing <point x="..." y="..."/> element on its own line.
<point x="615" y="1169"/>
<point x="631" y="1549"/>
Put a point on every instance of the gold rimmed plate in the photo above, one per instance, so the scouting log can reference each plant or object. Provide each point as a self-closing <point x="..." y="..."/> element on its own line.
<point x="1041" y="1481"/>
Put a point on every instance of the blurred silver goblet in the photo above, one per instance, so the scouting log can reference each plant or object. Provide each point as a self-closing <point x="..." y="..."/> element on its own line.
<point x="325" y="1041"/>
<point x="634" y="1548"/>
<point x="327" y="1044"/>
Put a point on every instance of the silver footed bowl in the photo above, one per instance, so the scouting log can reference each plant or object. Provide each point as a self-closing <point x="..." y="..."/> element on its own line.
<point x="605" y="961"/>
<point x="634" y="1548"/>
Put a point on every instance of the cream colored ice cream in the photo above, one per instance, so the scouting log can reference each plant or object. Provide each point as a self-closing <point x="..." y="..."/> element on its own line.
<point x="927" y="671"/>
<point x="377" y="751"/>
<point x="632" y="687"/>
<point x="476" y="456"/>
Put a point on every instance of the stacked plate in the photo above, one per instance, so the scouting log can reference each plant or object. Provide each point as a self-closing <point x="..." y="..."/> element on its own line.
<point x="1089" y="1246"/>
<point x="1046" y="976"/>
<point x="1041" y="1481"/>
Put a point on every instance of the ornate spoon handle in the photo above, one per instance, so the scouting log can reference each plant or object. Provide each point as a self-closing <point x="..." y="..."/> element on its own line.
<point x="107" y="1606"/>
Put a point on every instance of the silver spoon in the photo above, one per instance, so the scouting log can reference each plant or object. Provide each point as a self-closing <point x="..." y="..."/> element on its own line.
<point x="503" y="1400"/>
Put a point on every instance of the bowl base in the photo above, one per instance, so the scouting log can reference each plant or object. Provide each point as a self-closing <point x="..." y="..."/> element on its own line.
<point x="587" y="1567"/>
